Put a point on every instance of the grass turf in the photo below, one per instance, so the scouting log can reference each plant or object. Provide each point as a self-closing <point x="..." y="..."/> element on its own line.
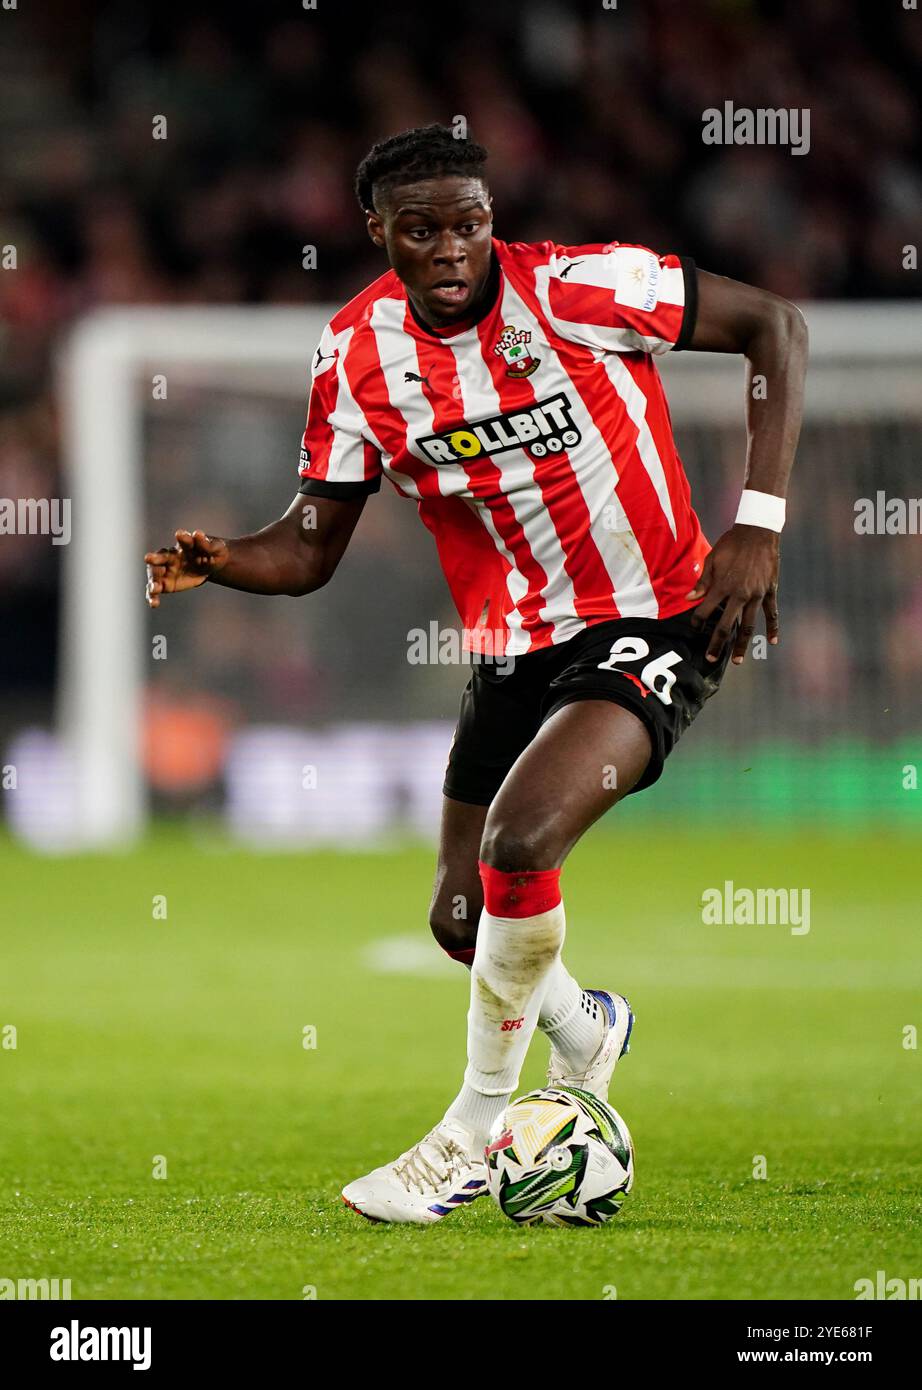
<point x="182" y="1038"/>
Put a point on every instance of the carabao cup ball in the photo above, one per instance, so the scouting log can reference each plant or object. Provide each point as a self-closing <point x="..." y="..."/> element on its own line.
<point x="561" y="1156"/>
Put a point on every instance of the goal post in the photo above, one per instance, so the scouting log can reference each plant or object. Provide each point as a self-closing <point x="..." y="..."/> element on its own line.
<point x="864" y="366"/>
<point x="107" y="366"/>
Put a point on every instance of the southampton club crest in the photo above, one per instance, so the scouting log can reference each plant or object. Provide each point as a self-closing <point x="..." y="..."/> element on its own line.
<point x="513" y="345"/>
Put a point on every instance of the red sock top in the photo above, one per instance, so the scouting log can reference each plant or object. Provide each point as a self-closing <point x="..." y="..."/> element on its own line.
<point x="465" y="955"/>
<point x="524" y="894"/>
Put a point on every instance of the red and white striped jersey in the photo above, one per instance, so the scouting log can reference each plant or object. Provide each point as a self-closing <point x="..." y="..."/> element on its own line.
<point x="535" y="441"/>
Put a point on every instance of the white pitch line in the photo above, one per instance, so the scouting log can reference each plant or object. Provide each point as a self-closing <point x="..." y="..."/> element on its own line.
<point x="409" y="955"/>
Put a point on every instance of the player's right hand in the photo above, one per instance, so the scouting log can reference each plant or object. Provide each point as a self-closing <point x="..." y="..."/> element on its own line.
<point x="194" y="558"/>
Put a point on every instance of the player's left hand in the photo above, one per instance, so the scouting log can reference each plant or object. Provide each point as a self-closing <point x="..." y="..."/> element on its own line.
<point x="741" y="572"/>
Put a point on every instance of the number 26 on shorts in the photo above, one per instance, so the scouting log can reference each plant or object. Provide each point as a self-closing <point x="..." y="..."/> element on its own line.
<point x="658" y="675"/>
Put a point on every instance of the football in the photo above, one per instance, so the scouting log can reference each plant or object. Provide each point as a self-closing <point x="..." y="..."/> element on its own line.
<point x="560" y="1156"/>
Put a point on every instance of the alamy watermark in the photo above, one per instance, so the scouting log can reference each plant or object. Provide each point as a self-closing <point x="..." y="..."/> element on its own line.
<point x="880" y="1287"/>
<point x="36" y="516"/>
<point x="40" y="1289"/>
<point x="76" y="1343"/>
<point x="881" y="515"/>
<point x="746" y="907"/>
<point x="447" y="646"/>
<point x="763" y="125"/>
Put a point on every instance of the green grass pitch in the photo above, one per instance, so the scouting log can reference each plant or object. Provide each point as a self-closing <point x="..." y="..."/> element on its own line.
<point x="183" y="1038"/>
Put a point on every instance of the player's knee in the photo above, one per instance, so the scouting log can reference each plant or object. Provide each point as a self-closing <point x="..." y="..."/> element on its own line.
<point x="453" y="921"/>
<point x="514" y="848"/>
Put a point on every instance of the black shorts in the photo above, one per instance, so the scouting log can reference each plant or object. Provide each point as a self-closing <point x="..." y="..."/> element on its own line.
<point x="654" y="667"/>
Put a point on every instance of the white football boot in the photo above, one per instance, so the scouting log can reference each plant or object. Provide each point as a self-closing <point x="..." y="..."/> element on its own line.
<point x="616" y="1042"/>
<point x="444" y="1171"/>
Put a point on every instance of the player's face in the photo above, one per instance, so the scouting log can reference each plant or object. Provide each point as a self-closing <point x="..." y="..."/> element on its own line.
<point x="437" y="236"/>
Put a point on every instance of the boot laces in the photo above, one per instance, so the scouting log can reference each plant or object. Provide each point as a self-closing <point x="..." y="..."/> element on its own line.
<point x="433" y="1163"/>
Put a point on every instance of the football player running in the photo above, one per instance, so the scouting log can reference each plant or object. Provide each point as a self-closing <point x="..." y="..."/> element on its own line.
<point x="511" y="391"/>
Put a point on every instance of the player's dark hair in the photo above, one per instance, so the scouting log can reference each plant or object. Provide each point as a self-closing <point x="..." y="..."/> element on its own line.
<point x="428" y="152"/>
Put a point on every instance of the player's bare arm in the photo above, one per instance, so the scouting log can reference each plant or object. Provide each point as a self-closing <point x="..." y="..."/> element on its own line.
<point x="295" y="555"/>
<point x="741" y="572"/>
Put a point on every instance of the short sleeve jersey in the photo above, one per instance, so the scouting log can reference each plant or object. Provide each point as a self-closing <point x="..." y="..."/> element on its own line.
<point x="536" y="441"/>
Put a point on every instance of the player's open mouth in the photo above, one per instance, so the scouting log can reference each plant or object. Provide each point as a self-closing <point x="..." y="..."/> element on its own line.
<point x="451" y="292"/>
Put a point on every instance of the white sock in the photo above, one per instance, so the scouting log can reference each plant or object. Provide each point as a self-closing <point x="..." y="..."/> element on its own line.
<point x="476" y="1111"/>
<point x="569" y="1017"/>
<point x="561" y="996"/>
<point x="512" y="961"/>
<point x="573" y="1020"/>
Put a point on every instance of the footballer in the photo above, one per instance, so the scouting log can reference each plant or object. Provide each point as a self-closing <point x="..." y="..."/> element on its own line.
<point x="511" y="391"/>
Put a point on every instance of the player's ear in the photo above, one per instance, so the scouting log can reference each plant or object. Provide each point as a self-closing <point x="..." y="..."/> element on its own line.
<point x="375" y="228"/>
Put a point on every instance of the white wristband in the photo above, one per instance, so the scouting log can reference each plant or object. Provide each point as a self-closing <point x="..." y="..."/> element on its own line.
<point x="760" y="509"/>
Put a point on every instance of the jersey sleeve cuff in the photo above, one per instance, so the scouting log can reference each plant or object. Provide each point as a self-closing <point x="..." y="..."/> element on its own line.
<point x="344" y="492"/>
<point x="690" y="316"/>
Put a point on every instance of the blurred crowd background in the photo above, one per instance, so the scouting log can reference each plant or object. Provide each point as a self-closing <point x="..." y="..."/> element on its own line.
<point x="593" y="118"/>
